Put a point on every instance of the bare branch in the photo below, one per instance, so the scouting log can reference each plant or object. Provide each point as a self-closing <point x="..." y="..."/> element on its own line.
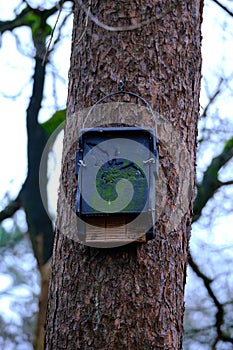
<point x="219" y="316"/>
<point x="130" y="27"/>
<point x="19" y="20"/>
<point x="58" y="39"/>
<point x="212" y="98"/>
<point x="52" y="34"/>
<point x="23" y="18"/>
<point x="10" y="209"/>
<point x="210" y="182"/>
<point x="227" y="183"/>
<point x="223" y="7"/>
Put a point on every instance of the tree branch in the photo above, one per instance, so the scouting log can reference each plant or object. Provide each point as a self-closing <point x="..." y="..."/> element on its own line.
<point x="212" y="98"/>
<point x="48" y="50"/>
<point x="210" y="183"/>
<point x="226" y="183"/>
<point x="25" y="18"/>
<point x="20" y="20"/>
<point x="39" y="224"/>
<point x="219" y="316"/>
<point x="10" y="209"/>
<point x="223" y="7"/>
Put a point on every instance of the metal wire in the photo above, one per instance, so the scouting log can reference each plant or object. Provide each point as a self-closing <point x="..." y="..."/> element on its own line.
<point x="119" y="92"/>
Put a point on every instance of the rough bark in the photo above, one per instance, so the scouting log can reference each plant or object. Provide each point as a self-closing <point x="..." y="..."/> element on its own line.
<point x="130" y="297"/>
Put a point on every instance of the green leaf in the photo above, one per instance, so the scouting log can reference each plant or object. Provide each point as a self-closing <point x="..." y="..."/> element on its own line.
<point x="10" y="238"/>
<point x="50" y="125"/>
<point x="228" y="145"/>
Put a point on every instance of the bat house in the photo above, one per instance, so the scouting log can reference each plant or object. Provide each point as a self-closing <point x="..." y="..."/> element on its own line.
<point x="115" y="200"/>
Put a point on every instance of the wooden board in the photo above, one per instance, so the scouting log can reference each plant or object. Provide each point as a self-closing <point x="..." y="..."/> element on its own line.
<point x="111" y="229"/>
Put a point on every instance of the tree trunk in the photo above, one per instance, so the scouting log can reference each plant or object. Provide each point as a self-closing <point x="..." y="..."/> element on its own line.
<point x="130" y="297"/>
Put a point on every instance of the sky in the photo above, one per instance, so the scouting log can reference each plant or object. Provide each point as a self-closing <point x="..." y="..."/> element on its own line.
<point x="16" y="71"/>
